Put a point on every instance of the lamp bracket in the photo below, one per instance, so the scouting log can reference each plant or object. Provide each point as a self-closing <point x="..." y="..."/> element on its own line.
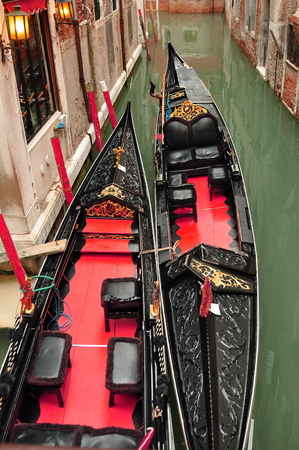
<point x="4" y="49"/>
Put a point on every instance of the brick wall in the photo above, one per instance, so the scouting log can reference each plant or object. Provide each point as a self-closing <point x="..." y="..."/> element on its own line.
<point x="290" y="85"/>
<point x="188" y="6"/>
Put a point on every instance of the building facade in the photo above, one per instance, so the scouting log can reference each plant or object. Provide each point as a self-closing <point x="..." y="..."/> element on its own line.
<point x="268" y="32"/>
<point x="44" y="83"/>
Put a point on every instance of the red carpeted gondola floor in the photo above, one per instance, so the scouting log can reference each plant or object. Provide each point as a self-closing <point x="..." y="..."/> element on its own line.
<point x="86" y="398"/>
<point x="212" y="225"/>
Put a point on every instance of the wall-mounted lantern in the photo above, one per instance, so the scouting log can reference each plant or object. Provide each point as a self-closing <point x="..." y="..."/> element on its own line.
<point x="65" y="9"/>
<point x="17" y="23"/>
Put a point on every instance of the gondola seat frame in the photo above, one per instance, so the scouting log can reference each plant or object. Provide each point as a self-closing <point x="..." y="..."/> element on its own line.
<point x="124" y="366"/>
<point x="49" y="363"/>
<point x="120" y="299"/>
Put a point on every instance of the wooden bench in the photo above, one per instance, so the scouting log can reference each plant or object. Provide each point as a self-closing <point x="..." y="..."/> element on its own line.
<point x="124" y="366"/>
<point x="49" y="363"/>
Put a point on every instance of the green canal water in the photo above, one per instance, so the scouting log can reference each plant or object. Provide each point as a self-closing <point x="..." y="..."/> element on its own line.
<point x="266" y="137"/>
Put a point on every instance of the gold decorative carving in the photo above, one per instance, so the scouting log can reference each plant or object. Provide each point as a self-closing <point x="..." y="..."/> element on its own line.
<point x="112" y="190"/>
<point x="119" y="151"/>
<point x="177" y="95"/>
<point x="109" y="236"/>
<point x="110" y="209"/>
<point x="219" y="278"/>
<point x="188" y="110"/>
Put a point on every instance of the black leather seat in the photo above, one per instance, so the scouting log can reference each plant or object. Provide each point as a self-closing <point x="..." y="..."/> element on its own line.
<point x="192" y="144"/>
<point x="119" y="298"/>
<point x="183" y="201"/>
<point x="50" y="360"/>
<point x="124" y="366"/>
<point x="177" y="179"/>
<point x="64" y="435"/>
<point x="217" y="178"/>
<point x="41" y="434"/>
<point x="110" y="437"/>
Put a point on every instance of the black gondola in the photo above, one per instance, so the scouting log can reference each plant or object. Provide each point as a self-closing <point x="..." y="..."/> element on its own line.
<point x="86" y="367"/>
<point x="208" y="263"/>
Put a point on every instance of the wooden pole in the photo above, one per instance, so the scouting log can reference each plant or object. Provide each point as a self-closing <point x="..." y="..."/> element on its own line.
<point x="62" y="170"/>
<point x="95" y="120"/>
<point x="153" y="20"/>
<point x="144" y="33"/>
<point x="17" y="267"/>
<point x="111" y="111"/>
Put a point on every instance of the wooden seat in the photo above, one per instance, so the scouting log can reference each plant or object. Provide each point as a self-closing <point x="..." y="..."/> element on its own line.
<point x="124" y="366"/>
<point x="217" y="178"/>
<point x="119" y="298"/>
<point x="50" y="360"/>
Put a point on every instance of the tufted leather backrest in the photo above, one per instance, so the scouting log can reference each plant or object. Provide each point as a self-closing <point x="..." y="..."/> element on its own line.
<point x="201" y="131"/>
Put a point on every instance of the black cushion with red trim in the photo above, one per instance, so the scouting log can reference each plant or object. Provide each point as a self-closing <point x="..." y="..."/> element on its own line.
<point x="124" y="365"/>
<point x="50" y="359"/>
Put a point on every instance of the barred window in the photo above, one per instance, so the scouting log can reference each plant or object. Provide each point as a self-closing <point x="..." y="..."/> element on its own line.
<point x="293" y="47"/>
<point x="34" y="69"/>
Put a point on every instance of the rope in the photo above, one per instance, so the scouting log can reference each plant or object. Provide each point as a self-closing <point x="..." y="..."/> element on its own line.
<point x="43" y="288"/>
<point x="58" y="312"/>
<point x="172" y="249"/>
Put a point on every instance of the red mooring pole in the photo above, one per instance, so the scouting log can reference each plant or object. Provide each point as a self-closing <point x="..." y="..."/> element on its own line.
<point x="144" y="33"/>
<point x="62" y="170"/>
<point x="112" y="115"/>
<point x="95" y="120"/>
<point x="17" y="267"/>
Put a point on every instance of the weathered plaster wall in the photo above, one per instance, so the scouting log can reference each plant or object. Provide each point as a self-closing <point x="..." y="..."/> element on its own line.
<point x="30" y="197"/>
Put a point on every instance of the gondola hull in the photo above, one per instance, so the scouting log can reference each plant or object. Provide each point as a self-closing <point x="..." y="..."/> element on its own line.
<point x="92" y="320"/>
<point x="208" y="264"/>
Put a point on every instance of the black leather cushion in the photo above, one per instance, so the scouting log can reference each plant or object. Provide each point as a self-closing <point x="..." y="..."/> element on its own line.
<point x="205" y="131"/>
<point x="182" y="195"/>
<point x="190" y="157"/>
<point x="53" y="435"/>
<point x="120" y="293"/>
<point x="176" y="134"/>
<point x="124" y="365"/>
<point x="208" y="155"/>
<point x="179" y="158"/>
<point x="177" y="179"/>
<point x="50" y="359"/>
<point x="218" y="176"/>
<point x="110" y="437"/>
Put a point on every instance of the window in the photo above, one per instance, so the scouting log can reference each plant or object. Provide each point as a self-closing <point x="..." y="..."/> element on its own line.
<point x="114" y="4"/>
<point x="34" y="69"/>
<point x="250" y="14"/>
<point x="97" y="9"/>
<point x="293" y="47"/>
